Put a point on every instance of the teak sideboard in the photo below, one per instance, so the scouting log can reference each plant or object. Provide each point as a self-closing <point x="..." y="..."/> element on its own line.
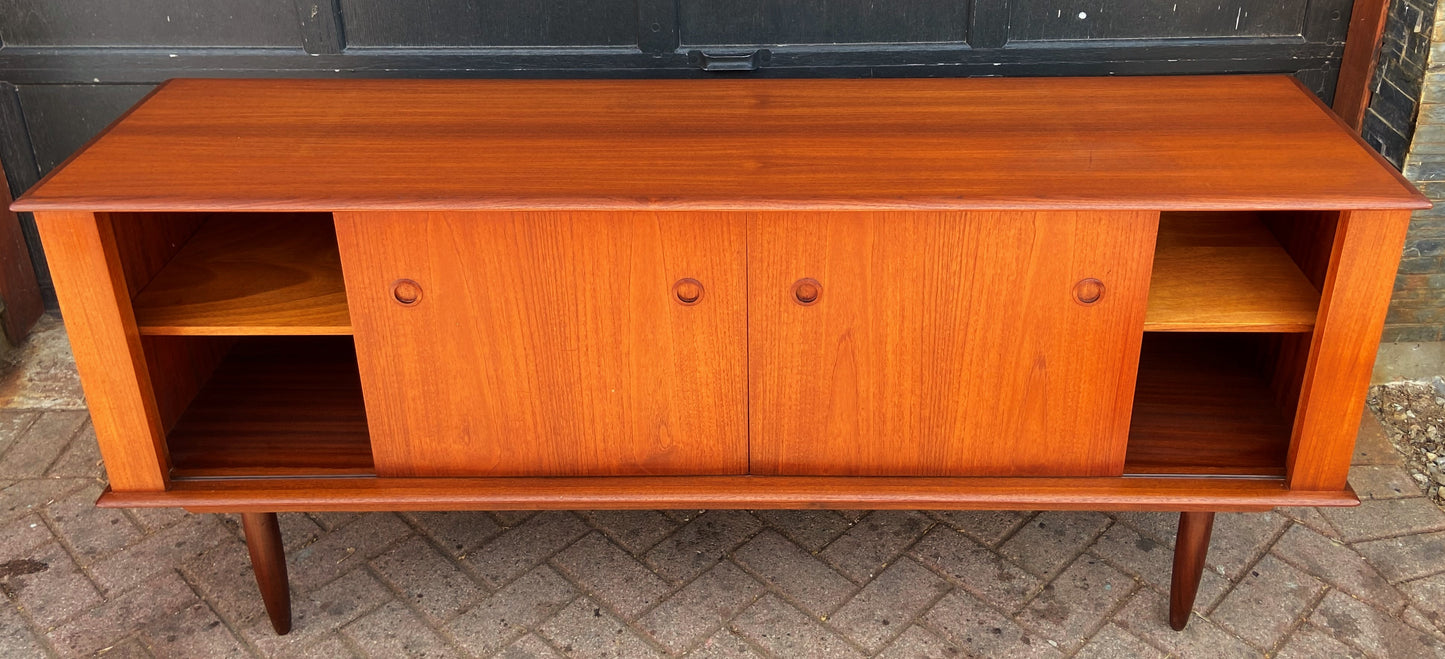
<point x="1069" y="293"/>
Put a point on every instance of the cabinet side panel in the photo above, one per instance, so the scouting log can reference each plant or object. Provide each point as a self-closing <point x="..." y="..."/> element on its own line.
<point x="550" y="343"/>
<point x="180" y="366"/>
<point x="945" y="343"/>
<point x="94" y="300"/>
<point x="1308" y="237"/>
<point x="147" y="241"/>
<point x="1355" y="296"/>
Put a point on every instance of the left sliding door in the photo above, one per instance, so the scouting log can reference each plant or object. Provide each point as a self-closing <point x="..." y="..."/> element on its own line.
<point x="510" y="343"/>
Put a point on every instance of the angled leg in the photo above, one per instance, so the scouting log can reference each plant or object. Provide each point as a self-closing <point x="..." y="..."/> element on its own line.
<point x="268" y="561"/>
<point x="1191" y="545"/>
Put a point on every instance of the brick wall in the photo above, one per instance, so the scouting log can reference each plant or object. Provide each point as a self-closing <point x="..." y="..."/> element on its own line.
<point x="1412" y="135"/>
<point x="1404" y="55"/>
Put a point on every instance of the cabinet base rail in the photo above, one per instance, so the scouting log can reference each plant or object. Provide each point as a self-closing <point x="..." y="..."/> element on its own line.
<point x="1164" y="494"/>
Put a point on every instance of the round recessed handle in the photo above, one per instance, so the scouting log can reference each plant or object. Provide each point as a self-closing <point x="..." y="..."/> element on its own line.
<point x="807" y="291"/>
<point x="1088" y="291"/>
<point x="406" y="292"/>
<point x="687" y="291"/>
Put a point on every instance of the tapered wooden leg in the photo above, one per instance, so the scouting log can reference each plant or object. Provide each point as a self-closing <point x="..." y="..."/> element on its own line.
<point x="1191" y="545"/>
<point x="268" y="561"/>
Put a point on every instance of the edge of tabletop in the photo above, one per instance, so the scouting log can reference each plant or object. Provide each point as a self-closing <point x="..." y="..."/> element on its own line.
<point x="34" y="200"/>
<point x="28" y="194"/>
<point x="1414" y="200"/>
<point x="1399" y="176"/>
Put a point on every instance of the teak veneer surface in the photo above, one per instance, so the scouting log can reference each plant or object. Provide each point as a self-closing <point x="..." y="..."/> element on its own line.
<point x="684" y="492"/>
<point x="551" y="344"/>
<point x="1206" y="142"/>
<point x="276" y="406"/>
<point x="283" y="407"/>
<point x="1201" y="407"/>
<point x="91" y="284"/>
<point x="1354" y="299"/>
<point x="250" y="274"/>
<point x="1225" y="272"/>
<point x="944" y="343"/>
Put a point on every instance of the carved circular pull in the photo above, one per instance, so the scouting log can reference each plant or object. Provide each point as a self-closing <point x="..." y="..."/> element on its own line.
<point x="406" y="292"/>
<point x="688" y="291"/>
<point x="1088" y="291"/>
<point x="807" y="291"/>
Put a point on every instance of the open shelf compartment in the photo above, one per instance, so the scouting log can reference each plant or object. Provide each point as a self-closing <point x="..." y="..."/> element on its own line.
<point x="1226" y="272"/>
<point x="280" y="274"/>
<point x="1204" y="405"/>
<point x="275" y="406"/>
<point x="248" y="274"/>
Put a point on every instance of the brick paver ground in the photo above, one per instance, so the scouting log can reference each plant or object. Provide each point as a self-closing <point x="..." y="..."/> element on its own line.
<point x="78" y="580"/>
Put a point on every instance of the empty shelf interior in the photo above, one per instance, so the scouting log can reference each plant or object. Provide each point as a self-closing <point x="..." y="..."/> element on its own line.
<point x="250" y="274"/>
<point x="1202" y="405"/>
<point x="276" y="406"/>
<point x="1225" y="272"/>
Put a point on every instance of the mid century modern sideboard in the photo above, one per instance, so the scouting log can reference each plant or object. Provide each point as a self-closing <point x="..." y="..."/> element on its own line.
<point x="1115" y="294"/>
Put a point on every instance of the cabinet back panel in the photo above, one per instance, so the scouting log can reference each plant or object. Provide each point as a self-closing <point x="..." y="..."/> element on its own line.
<point x="945" y="344"/>
<point x="549" y="343"/>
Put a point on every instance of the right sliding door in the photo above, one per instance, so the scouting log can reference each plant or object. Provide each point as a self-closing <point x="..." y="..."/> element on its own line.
<point x="944" y="343"/>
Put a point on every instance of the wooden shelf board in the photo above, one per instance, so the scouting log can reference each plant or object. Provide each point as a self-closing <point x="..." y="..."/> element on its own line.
<point x="250" y="274"/>
<point x="1200" y="409"/>
<point x="276" y="407"/>
<point x="291" y="407"/>
<point x="1225" y="272"/>
<point x="695" y="492"/>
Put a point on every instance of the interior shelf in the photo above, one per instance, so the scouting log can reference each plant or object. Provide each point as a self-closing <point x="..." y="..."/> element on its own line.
<point x="292" y="406"/>
<point x="250" y="274"/>
<point x="1201" y="406"/>
<point x="280" y="274"/>
<point x="1225" y="272"/>
<point x="276" y="407"/>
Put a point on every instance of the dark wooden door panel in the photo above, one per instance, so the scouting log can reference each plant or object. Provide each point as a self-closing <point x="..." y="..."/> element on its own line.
<point x="1051" y="20"/>
<point x="234" y="23"/>
<point x="822" y="21"/>
<point x="430" y="23"/>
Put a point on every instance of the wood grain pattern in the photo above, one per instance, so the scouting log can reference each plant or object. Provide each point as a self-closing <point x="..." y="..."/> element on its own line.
<point x="250" y="274"/>
<point x="1309" y="237"/>
<point x="1187" y="142"/>
<point x="146" y="242"/>
<point x="179" y="367"/>
<point x="746" y="492"/>
<point x="91" y="286"/>
<point x="1224" y="272"/>
<point x="550" y="343"/>
<point x="1357" y="65"/>
<point x="944" y="343"/>
<point x="1202" y="406"/>
<point x="1191" y="546"/>
<point x="276" y="407"/>
<point x="268" y="562"/>
<point x="1356" y="295"/>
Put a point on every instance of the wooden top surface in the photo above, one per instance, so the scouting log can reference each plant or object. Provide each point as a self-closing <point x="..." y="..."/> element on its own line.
<point x="1180" y="143"/>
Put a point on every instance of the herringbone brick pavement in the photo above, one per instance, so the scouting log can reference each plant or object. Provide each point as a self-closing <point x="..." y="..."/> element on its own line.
<point x="78" y="580"/>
